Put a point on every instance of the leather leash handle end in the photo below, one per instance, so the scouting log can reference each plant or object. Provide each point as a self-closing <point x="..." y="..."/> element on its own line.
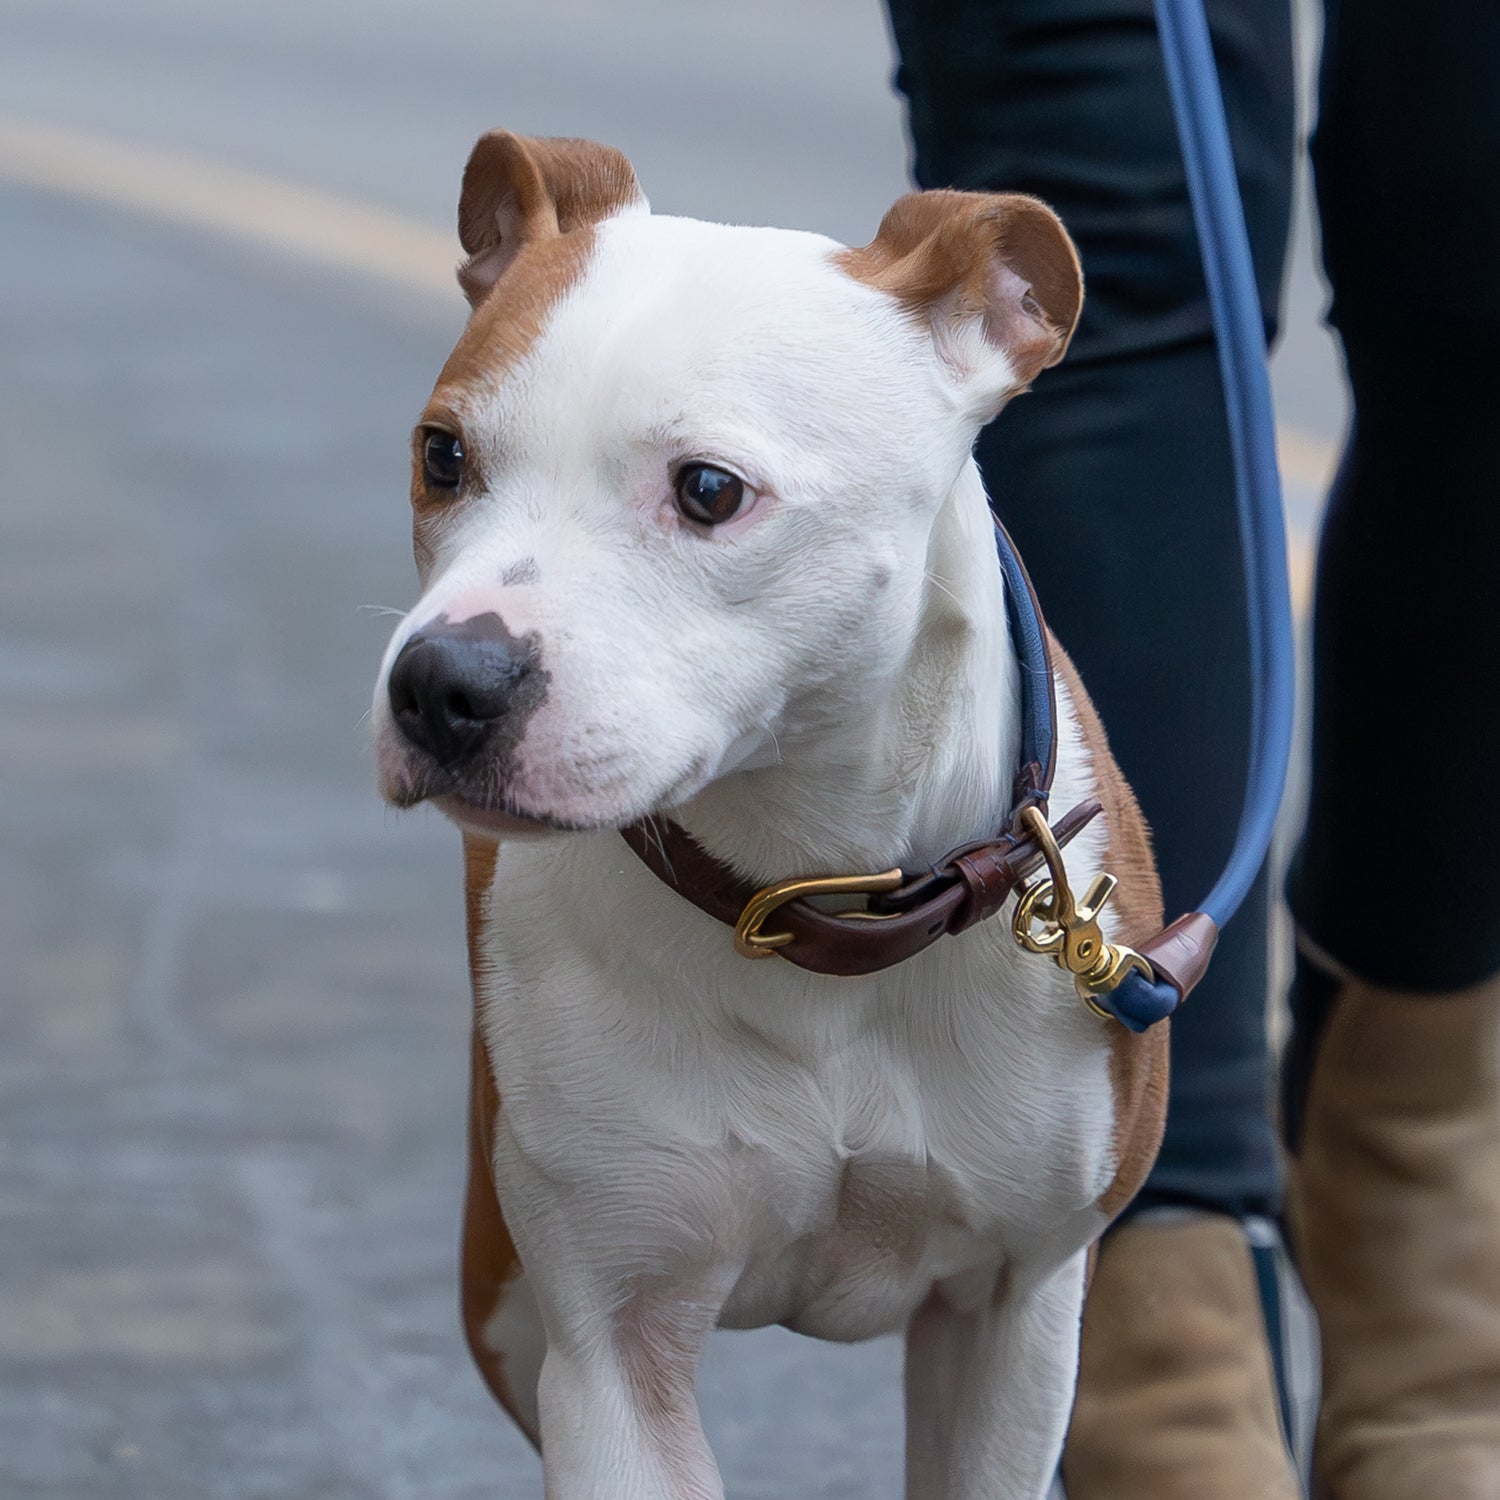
<point x="1178" y="956"/>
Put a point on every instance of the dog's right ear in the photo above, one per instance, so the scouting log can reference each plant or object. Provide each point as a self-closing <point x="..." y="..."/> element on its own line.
<point x="522" y="189"/>
<point x="993" y="276"/>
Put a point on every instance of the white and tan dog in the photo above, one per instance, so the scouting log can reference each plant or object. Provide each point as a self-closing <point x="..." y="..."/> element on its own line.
<point x="699" y="533"/>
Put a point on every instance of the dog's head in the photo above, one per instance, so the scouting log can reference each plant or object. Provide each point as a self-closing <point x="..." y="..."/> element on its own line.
<point x="674" y="488"/>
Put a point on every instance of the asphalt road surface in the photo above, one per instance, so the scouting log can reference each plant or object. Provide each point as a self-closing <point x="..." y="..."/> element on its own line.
<point x="233" y="1009"/>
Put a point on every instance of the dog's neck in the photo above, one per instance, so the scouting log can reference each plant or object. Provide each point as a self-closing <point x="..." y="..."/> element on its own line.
<point x="917" y="769"/>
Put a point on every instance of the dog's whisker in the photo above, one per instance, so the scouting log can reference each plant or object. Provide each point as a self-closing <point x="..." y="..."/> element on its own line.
<point x="938" y="583"/>
<point x="654" y="831"/>
<point x="379" y="609"/>
<point x="653" y="836"/>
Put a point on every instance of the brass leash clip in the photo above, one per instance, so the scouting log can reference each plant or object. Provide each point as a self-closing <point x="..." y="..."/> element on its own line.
<point x="1050" y="920"/>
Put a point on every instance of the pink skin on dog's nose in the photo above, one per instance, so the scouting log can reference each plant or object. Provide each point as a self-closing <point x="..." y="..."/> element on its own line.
<point x="456" y="608"/>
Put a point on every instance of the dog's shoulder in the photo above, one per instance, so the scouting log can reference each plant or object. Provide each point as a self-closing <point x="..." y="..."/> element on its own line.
<point x="1138" y="1063"/>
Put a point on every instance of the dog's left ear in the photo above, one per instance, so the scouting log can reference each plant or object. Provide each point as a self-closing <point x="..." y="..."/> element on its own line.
<point x="520" y="189"/>
<point x="994" y="274"/>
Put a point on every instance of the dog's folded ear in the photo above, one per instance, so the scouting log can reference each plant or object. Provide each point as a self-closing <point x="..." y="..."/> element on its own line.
<point x="995" y="275"/>
<point x="522" y="189"/>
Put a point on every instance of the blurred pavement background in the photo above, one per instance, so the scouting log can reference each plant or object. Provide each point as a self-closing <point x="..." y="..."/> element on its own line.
<point x="234" y="1010"/>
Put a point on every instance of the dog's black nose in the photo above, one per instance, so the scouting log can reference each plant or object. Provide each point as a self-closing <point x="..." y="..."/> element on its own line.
<point x="451" y="684"/>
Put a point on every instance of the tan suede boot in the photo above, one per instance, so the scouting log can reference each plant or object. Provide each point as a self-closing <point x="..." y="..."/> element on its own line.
<point x="1176" y="1398"/>
<point x="1395" y="1208"/>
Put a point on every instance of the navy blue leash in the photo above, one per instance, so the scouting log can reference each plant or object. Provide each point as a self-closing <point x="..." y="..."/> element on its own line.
<point x="1177" y="957"/>
<point x="1240" y="334"/>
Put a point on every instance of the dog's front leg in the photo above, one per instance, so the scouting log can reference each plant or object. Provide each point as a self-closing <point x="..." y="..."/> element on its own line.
<point x="619" y="1415"/>
<point x="989" y="1387"/>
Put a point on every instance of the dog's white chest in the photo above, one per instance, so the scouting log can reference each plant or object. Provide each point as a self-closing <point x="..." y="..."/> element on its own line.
<point x="823" y="1151"/>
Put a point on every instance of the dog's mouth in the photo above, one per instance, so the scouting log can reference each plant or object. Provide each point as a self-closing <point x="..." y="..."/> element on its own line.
<point x="477" y="809"/>
<point x="503" y="822"/>
<point x="477" y="803"/>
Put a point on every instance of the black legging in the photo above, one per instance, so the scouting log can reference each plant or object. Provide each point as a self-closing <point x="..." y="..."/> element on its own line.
<point x="1114" y="476"/>
<point x="1405" y="792"/>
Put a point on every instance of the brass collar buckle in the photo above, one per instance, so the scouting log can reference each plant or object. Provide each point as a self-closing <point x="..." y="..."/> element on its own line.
<point x="753" y="943"/>
<point x="1050" y="920"/>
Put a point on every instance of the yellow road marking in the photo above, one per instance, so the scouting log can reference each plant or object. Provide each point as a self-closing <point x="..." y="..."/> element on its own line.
<point x="1301" y="568"/>
<point x="1304" y="459"/>
<point x="204" y="194"/>
<point x="1307" y="462"/>
<point x="314" y="225"/>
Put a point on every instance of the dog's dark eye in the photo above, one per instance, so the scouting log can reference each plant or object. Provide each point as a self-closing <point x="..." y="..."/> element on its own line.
<point x="442" y="459"/>
<point x="708" y="495"/>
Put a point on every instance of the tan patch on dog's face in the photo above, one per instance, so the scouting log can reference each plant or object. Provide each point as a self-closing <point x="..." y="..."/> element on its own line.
<point x="510" y="320"/>
<point x="501" y="332"/>
<point x="526" y="217"/>
<point x="1137" y="1062"/>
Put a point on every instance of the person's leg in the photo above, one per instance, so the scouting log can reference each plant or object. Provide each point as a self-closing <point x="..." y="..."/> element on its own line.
<point x="1392" y="1086"/>
<point x="1115" y="478"/>
<point x="1406" y="652"/>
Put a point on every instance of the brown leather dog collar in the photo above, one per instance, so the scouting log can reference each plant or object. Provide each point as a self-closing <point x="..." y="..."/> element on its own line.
<point x="912" y="912"/>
